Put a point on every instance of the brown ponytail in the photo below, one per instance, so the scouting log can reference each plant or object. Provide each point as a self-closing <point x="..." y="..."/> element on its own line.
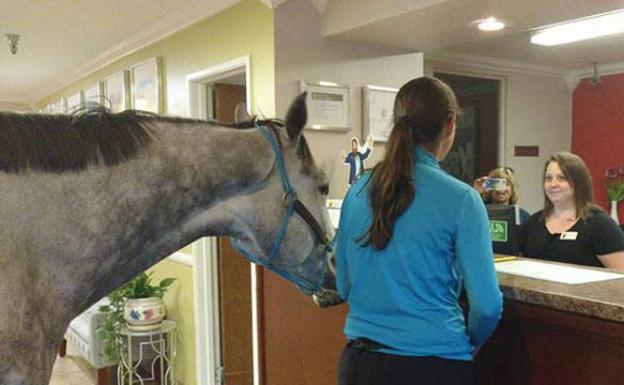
<point x="422" y="109"/>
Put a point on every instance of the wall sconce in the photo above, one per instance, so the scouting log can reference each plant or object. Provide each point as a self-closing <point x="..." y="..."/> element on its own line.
<point x="13" y="39"/>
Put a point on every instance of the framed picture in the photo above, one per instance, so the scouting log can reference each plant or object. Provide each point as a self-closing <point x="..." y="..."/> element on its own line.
<point x="94" y="94"/>
<point x="377" y="109"/>
<point x="73" y="102"/>
<point x="146" y="86"/>
<point x="328" y="106"/>
<point x="115" y="91"/>
<point x="57" y="107"/>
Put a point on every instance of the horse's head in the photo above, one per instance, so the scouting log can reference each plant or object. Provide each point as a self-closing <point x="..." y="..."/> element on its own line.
<point x="290" y="232"/>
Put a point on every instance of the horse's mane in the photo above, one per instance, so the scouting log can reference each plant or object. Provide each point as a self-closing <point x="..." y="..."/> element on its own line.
<point x="90" y="136"/>
<point x="59" y="143"/>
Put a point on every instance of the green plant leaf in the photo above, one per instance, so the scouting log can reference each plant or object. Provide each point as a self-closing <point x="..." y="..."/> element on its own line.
<point x="166" y="282"/>
<point x="139" y="287"/>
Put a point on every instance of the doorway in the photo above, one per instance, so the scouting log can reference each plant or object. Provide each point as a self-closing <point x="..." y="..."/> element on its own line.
<point x="227" y="350"/>
<point x="476" y="147"/>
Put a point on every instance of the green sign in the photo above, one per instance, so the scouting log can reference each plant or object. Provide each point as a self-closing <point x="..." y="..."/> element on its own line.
<point x="498" y="231"/>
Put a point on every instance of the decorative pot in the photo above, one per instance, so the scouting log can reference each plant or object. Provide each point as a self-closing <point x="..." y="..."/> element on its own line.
<point x="614" y="212"/>
<point x="144" y="311"/>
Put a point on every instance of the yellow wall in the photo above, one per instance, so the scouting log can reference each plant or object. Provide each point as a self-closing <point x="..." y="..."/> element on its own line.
<point x="244" y="29"/>
<point x="179" y="302"/>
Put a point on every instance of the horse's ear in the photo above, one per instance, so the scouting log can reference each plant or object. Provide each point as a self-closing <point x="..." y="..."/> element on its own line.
<point x="240" y="113"/>
<point x="296" y="117"/>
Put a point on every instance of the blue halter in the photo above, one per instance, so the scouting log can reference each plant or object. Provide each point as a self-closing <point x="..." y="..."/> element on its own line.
<point x="293" y="204"/>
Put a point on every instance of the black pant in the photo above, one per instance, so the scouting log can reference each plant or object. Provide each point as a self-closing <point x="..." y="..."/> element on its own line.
<point x="362" y="366"/>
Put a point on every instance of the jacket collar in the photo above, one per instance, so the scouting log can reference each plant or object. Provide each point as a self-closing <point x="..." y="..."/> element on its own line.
<point x="422" y="155"/>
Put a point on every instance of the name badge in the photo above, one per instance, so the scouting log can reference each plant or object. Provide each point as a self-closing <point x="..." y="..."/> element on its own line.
<point x="569" y="235"/>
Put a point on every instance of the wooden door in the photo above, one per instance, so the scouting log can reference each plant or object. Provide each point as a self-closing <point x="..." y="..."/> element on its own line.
<point x="225" y="98"/>
<point x="475" y="150"/>
<point x="234" y="276"/>
<point x="235" y="316"/>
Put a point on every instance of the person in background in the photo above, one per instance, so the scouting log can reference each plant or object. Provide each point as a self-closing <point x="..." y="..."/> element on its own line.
<point x="571" y="228"/>
<point x="355" y="158"/>
<point x="410" y="237"/>
<point x="505" y="196"/>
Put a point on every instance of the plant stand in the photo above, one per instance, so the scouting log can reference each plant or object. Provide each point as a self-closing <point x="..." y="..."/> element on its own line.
<point x="156" y="347"/>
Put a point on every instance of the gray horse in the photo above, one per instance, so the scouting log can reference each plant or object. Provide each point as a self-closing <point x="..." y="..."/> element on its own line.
<point x="90" y="200"/>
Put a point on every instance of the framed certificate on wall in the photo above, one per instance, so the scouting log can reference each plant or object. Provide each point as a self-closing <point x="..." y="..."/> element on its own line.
<point x="328" y="106"/>
<point x="377" y="110"/>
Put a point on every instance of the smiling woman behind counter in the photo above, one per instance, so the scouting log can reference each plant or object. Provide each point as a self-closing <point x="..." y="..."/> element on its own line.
<point x="571" y="228"/>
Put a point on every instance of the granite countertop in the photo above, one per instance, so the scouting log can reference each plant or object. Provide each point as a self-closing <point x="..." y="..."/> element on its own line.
<point x="603" y="299"/>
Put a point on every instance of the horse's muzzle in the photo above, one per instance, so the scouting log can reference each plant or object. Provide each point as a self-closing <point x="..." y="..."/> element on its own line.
<point x="327" y="298"/>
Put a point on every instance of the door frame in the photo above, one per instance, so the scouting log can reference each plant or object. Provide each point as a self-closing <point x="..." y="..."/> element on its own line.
<point x="205" y="271"/>
<point x="502" y="99"/>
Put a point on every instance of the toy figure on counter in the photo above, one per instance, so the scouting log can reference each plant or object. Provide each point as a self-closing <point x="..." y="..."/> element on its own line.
<point x="355" y="158"/>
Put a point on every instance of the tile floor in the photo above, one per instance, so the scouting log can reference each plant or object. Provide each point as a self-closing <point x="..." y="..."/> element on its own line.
<point x="69" y="370"/>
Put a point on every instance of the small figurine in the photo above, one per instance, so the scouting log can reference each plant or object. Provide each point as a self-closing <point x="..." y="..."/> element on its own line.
<point x="355" y="158"/>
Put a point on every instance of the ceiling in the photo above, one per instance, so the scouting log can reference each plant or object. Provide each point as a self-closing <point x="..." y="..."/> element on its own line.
<point x="446" y="26"/>
<point x="63" y="40"/>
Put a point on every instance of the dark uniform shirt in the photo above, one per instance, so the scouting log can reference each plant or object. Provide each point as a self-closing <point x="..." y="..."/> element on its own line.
<point x="597" y="234"/>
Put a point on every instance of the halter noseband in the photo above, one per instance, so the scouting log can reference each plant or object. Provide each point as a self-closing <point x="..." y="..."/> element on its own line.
<point x="293" y="204"/>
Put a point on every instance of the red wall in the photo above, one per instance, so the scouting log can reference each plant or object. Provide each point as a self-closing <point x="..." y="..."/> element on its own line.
<point x="598" y="130"/>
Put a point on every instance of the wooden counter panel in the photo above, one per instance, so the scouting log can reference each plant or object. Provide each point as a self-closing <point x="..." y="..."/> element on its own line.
<point x="536" y="345"/>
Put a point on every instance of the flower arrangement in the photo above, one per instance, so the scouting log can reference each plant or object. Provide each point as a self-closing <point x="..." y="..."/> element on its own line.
<point x="614" y="182"/>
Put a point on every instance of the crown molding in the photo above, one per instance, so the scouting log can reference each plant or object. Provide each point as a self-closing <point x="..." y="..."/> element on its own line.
<point x="603" y="70"/>
<point x="494" y="66"/>
<point x="186" y="16"/>
<point x="573" y="78"/>
<point x="273" y="3"/>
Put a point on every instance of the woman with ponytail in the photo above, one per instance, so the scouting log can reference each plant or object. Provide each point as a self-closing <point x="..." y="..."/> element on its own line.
<point x="410" y="237"/>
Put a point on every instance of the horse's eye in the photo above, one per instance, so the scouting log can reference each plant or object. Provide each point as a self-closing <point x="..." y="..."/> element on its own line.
<point x="324" y="189"/>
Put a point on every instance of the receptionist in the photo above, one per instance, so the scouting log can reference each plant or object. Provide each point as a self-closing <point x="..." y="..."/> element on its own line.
<point x="571" y="228"/>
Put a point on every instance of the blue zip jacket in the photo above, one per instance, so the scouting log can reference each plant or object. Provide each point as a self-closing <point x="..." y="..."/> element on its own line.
<point x="406" y="295"/>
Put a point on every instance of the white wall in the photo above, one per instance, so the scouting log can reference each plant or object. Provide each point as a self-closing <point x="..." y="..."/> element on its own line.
<point x="11" y="106"/>
<point x="301" y="54"/>
<point x="537" y="111"/>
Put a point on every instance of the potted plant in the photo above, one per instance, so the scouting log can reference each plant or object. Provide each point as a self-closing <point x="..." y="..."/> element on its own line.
<point x="138" y="304"/>
<point x="614" y="183"/>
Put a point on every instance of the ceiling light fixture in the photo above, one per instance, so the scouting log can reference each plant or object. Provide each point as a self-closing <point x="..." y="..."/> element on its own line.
<point x="580" y="29"/>
<point x="13" y="39"/>
<point x="490" y="24"/>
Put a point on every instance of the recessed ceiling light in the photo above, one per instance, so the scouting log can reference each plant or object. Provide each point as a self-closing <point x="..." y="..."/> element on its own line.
<point x="580" y="29"/>
<point x="490" y="24"/>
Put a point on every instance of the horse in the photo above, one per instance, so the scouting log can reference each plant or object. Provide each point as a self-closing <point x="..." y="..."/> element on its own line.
<point x="91" y="199"/>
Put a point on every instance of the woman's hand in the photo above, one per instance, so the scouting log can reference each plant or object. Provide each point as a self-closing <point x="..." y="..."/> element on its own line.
<point x="478" y="185"/>
<point x="343" y="156"/>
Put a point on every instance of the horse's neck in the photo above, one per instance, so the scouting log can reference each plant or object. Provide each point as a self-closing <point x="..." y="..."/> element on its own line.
<point x="98" y="228"/>
<point x="181" y="189"/>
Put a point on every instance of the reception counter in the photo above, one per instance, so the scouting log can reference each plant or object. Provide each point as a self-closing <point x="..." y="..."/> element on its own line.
<point x="553" y="333"/>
